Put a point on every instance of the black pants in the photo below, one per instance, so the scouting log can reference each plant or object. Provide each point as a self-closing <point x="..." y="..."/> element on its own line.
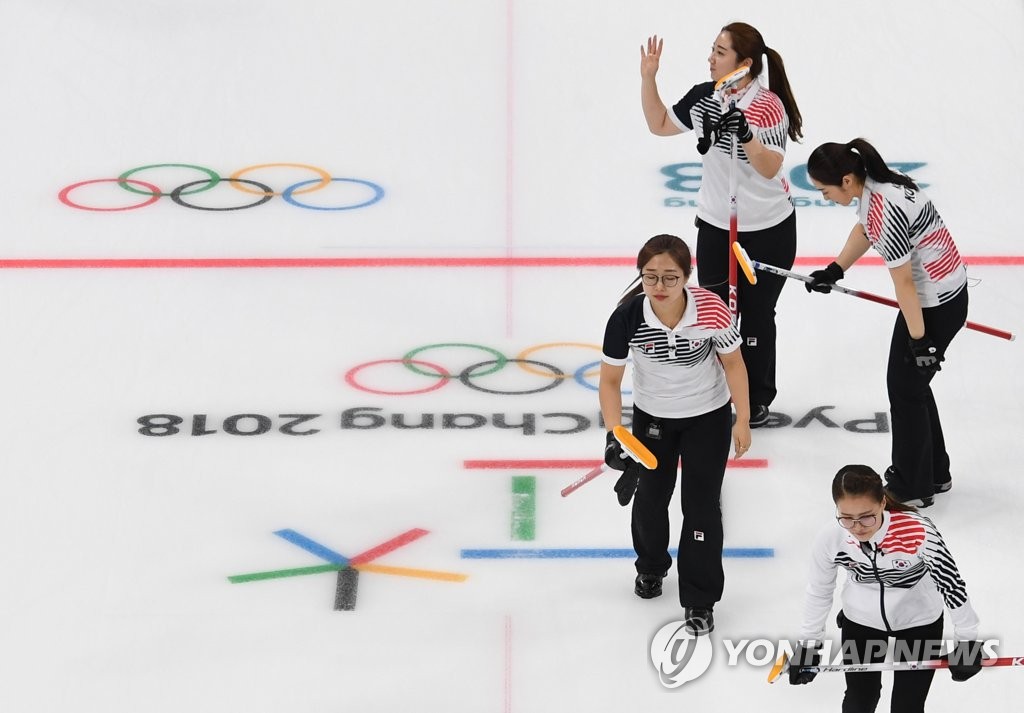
<point x="703" y="442"/>
<point x="773" y="246"/>
<point x="909" y="688"/>
<point x="918" y="447"/>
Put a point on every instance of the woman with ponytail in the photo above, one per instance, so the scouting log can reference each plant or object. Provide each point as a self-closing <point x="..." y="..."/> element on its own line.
<point x="898" y="220"/>
<point x="901" y="576"/>
<point x="764" y="117"/>
<point x="686" y="367"/>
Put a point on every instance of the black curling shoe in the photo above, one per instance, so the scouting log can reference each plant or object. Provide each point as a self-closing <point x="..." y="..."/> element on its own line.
<point x="648" y="586"/>
<point x="699" y="621"/>
<point x="759" y="416"/>
<point x="895" y="487"/>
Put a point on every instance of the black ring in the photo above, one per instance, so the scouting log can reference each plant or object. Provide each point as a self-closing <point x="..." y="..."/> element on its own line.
<point x="556" y="373"/>
<point x="267" y="190"/>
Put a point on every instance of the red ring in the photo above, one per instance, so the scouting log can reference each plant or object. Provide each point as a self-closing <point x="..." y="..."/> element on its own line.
<point x="442" y="374"/>
<point x="63" y="195"/>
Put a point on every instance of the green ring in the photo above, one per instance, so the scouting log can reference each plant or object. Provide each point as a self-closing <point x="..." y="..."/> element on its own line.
<point x="499" y="362"/>
<point x="214" y="178"/>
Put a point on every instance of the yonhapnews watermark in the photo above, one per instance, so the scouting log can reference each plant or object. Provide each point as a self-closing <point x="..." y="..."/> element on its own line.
<point x="679" y="656"/>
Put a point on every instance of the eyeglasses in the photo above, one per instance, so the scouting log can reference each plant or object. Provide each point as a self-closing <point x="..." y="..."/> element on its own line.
<point x="651" y="279"/>
<point x="847" y="523"/>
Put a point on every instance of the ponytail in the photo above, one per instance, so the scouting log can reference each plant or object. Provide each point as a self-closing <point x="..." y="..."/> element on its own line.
<point x="778" y="83"/>
<point x="634" y="289"/>
<point x="748" y="43"/>
<point x="829" y="162"/>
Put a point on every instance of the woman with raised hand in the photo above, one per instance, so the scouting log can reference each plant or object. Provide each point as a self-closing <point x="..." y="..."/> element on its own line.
<point x="764" y="117"/>
<point x="901" y="578"/>
<point x="897" y="219"/>
<point x="686" y="366"/>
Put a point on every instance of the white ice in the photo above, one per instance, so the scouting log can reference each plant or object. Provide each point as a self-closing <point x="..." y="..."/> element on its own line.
<point x="505" y="129"/>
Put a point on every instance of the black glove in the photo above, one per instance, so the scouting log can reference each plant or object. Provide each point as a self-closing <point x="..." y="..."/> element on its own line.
<point x="734" y="122"/>
<point x="614" y="456"/>
<point x="803" y="667"/>
<point x="926" y="356"/>
<point x="965" y="660"/>
<point x="704" y="143"/>
<point x="823" y="280"/>
<point x="625" y="486"/>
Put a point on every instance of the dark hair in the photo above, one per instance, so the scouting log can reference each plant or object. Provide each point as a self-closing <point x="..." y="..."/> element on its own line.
<point x="674" y="247"/>
<point x="854" y="480"/>
<point x="748" y="43"/>
<point x="830" y="162"/>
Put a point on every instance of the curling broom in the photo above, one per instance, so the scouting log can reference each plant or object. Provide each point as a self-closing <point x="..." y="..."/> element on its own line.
<point x="749" y="265"/>
<point x="631" y="448"/>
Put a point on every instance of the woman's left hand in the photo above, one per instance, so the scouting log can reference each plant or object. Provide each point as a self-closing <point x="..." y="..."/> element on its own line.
<point x="741" y="439"/>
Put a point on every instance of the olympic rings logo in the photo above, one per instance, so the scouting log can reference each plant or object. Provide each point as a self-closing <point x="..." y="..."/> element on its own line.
<point x="366" y="192"/>
<point x="521" y="382"/>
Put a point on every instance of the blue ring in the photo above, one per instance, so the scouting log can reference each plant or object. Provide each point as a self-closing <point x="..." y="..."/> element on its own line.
<point x="378" y="193"/>
<point x="581" y="378"/>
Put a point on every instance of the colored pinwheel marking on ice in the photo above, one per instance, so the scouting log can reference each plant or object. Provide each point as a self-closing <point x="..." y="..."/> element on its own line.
<point x="348" y="569"/>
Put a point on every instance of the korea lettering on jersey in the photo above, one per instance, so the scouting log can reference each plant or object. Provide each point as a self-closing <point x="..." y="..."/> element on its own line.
<point x="902" y="224"/>
<point x="676" y="373"/>
<point x="907" y="559"/>
<point x="760" y="202"/>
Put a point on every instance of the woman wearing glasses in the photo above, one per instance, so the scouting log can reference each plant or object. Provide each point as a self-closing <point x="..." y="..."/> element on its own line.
<point x="901" y="576"/>
<point x="686" y="364"/>
<point x="764" y="117"/>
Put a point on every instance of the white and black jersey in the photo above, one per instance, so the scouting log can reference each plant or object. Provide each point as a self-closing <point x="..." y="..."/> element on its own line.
<point x="902" y="224"/>
<point x="760" y="202"/>
<point x="901" y="578"/>
<point x="676" y="372"/>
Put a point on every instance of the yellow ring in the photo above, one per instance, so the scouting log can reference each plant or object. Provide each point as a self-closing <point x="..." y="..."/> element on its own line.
<point x="325" y="178"/>
<point x="536" y="372"/>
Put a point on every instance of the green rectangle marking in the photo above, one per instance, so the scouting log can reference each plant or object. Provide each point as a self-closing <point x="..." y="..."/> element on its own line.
<point x="524" y="507"/>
